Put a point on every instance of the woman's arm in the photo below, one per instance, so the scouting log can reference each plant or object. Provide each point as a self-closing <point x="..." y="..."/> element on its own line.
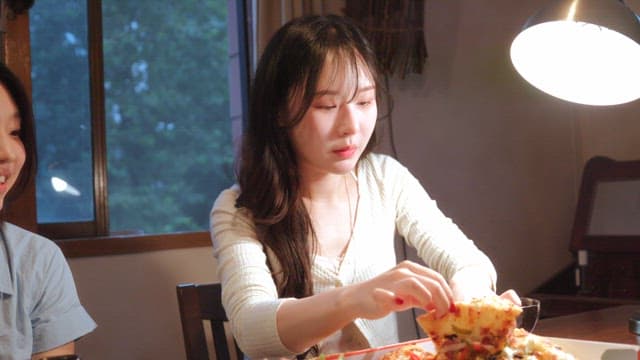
<point x="470" y="282"/>
<point x="304" y="322"/>
<point x="475" y="281"/>
<point x="66" y="349"/>
<point x="249" y="293"/>
<point x="438" y="240"/>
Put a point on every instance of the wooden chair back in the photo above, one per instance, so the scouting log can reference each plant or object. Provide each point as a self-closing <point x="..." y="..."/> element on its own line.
<point x="199" y="303"/>
<point x="606" y="229"/>
<point x="605" y="241"/>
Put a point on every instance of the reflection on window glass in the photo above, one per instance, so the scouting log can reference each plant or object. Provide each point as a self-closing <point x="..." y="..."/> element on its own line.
<point x="59" y="56"/>
<point x="169" y="143"/>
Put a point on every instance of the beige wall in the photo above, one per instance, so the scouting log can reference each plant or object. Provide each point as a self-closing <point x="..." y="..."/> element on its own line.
<point x="133" y="300"/>
<point x="498" y="155"/>
<point x="614" y="132"/>
<point x="501" y="158"/>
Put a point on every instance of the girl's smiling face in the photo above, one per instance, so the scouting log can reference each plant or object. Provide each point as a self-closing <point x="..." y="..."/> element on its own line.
<point x="12" y="151"/>
<point x="338" y="125"/>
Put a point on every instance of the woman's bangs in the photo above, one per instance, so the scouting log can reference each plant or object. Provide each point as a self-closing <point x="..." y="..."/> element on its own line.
<point x="347" y="67"/>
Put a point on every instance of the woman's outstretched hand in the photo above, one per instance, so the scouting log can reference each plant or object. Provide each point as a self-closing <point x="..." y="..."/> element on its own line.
<point x="512" y="296"/>
<point x="406" y="285"/>
<point x="473" y="282"/>
<point x="303" y="322"/>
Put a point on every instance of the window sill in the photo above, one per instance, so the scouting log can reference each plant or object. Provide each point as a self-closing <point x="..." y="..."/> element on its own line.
<point x="119" y="245"/>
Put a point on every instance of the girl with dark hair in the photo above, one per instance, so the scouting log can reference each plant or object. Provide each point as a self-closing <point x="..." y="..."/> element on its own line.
<point x="41" y="313"/>
<point x="305" y="241"/>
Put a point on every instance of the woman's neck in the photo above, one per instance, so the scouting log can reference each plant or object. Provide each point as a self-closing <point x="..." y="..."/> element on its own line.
<point x="332" y="203"/>
<point x="328" y="187"/>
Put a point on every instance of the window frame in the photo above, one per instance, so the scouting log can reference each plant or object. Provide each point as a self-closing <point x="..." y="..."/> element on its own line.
<point x="92" y="238"/>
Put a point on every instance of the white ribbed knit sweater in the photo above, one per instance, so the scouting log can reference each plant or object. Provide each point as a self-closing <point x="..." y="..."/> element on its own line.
<point x="391" y="199"/>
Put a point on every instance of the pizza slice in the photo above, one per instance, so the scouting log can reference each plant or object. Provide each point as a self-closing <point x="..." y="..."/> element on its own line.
<point x="409" y="352"/>
<point x="475" y="329"/>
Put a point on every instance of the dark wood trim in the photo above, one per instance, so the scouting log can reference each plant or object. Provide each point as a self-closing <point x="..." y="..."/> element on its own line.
<point x="98" y="128"/>
<point x="119" y="245"/>
<point x="68" y="230"/>
<point x="611" y="243"/>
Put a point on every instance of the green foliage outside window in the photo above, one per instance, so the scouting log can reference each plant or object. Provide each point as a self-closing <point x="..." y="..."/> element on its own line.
<point x="169" y="145"/>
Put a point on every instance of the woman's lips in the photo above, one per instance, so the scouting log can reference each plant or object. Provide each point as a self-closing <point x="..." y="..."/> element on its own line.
<point x="345" y="152"/>
<point x="4" y="186"/>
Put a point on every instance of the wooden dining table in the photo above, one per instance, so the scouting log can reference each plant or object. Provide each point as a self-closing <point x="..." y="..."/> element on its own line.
<point x="609" y="324"/>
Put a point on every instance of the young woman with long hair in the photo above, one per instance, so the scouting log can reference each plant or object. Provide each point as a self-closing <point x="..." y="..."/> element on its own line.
<point x="304" y="241"/>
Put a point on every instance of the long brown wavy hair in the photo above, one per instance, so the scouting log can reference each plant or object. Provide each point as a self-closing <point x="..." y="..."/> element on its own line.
<point x="268" y="172"/>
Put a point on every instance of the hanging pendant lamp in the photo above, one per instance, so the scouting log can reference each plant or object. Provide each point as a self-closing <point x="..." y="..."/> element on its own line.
<point x="583" y="51"/>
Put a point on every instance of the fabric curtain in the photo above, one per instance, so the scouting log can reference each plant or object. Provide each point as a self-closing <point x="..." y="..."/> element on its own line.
<point x="394" y="27"/>
<point x="269" y="15"/>
<point x="10" y="8"/>
<point x="396" y="31"/>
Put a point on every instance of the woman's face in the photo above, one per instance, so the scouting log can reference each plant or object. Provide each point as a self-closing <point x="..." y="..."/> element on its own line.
<point x="12" y="153"/>
<point x="336" y="128"/>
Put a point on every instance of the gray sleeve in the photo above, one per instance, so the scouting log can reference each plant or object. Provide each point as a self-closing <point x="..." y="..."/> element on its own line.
<point x="58" y="317"/>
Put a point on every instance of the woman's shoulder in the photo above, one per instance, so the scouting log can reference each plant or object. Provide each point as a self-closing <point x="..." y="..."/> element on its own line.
<point x="225" y="211"/>
<point x="227" y="198"/>
<point x="30" y="248"/>
<point x="17" y="236"/>
<point x="379" y="165"/>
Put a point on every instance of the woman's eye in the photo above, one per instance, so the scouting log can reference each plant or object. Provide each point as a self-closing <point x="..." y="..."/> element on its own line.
<point x="325" y="107"/>
<point x="16" y="133"/>
<point x="365" y="102"/>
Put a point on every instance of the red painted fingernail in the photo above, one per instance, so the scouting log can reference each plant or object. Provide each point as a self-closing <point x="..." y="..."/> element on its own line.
<point x="452" y="307"/>
<point x="399" y="301"/>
